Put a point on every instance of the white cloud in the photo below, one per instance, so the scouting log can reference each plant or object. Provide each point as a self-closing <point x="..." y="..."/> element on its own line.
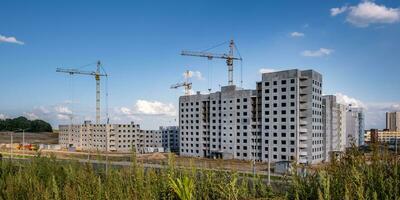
<point x="337" y="11"/>
<point x="10" y="40"/>
<point x="3" y="116"/>
<point x="375" y="113"/>
<point x="195" y="74"/>
<point x="154" y="108"/>
<point x="31" y="115"/>
<point x="266" y="70"/>
<point x="317" y="53"/>
<point x="367" y="12"/>
<point x="297" y="34"/>
<point x="62" y="110"/>
<point x="346" y="100"/>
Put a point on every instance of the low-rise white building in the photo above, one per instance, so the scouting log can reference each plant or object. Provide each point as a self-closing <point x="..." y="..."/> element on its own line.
<point x="111" y="137"/>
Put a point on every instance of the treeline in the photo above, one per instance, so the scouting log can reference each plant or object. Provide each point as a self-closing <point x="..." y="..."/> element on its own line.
<point x="20" y="123"/>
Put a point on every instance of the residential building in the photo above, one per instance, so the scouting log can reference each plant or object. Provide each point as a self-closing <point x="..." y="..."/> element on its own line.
<point x="280" y="120"/>
<point x="111" y="137"/>
<point x="393" y="121"/>
<point x="221" y="124"/>
<point x="384" y="136"/>
<point x="341" y="129"/>
<point x="334" y="125"/>
<point x="170" y="138"/>
<point x="354" y="127"/>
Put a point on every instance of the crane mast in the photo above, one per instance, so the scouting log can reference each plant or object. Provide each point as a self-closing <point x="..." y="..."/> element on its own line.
<point x="97" y="77"/>
<point x="187" y="85"/>
<point x="97" y="74"/>
<point x="229" y="57"/>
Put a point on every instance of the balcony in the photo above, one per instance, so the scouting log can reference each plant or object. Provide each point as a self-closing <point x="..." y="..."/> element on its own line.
<point x="303" y="153"/>
<point x="302" y="160"/>
<point x="303" y="137"/>
<point x="303" y="84"/>
<point x="303" y="115"/>
<point x="303" y="106"/>
<point x="303" y="123"/>
<point x="303" y="145"/>
<point x="303" y="99"/>
<point x="303" y="130"/>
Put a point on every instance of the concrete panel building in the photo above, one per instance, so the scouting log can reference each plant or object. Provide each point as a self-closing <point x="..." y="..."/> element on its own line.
<point x="354" y="127"/>
<point x="334" y="123"/>
<point x="220" y="124"/>
<point x="111" y="137"/>
<point x="280" y="120"/>
<point x="393" y="121"/>
<point x="170" y="138"/>
<point x="341" y="120"/>
<point x="292" y="116"/>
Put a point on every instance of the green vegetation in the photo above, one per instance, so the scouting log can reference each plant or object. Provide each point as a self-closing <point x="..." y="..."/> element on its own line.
<point x="19" y="123"/>
<point x="354" y="176"/>
<point x="47" y="178"/>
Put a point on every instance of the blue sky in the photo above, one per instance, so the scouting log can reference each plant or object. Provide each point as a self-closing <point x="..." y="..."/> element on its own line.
<point x="354" y="44"/>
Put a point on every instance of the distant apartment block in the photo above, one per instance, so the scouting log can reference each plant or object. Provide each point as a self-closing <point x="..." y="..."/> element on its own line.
<point x="383" y="136"/>
<point x="393" y="121"/>
<point x="120" y="138"/>
<point x="170" y="138"/>
<point x="354" y="127"/>
<point x="334" y="123"/>
<point x="280" y="120"/>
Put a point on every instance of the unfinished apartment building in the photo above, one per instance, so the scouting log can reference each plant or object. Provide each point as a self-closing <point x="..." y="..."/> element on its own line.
<point x="280" y="120"/>
<point x="121" y="137"/>
<point x="221" y="124"/>
<point x="334" y="123"/>
<point x="170" y="138"/>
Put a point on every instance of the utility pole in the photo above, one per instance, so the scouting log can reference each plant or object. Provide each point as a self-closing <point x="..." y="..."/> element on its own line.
<point x="23" y="143"/>
<point x="11" y="146"/>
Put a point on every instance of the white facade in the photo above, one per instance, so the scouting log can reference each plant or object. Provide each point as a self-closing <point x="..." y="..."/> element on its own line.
<point x="280" y="120"/>
<point x="292" y="116"/>
<point x="334" y="123"/>
<point x="118" y="137"/>
<point x="341" y="119"/>
<point x="220" y="124"/>
<point x="354" y="127"/>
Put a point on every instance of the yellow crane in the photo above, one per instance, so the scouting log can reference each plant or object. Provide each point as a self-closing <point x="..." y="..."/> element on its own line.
<point x="97" y="74"/>
<point x="187" y="85"/>
<point x="229" y="57"/>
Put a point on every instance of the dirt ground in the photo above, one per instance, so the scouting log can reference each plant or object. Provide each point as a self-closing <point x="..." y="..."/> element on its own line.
<point x="155" y="158"/>
<point x="32" y="138"/>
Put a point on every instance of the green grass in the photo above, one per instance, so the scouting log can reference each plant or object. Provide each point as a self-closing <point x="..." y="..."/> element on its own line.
<point x="354" y="176"/>
<point x="48" y="178"/>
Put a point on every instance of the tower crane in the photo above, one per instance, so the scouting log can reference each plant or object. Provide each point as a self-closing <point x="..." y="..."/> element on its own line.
<point x="97" y="74"/>
<point x="229" y="57"/>
<point x="187" y="85"/>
